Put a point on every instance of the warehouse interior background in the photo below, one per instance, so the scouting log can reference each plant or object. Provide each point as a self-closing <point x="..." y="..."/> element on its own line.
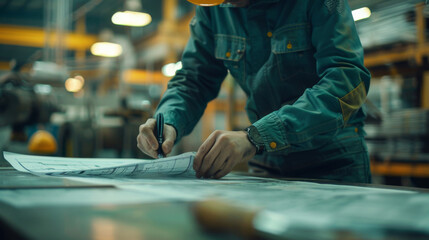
<point x="73" y="83"/>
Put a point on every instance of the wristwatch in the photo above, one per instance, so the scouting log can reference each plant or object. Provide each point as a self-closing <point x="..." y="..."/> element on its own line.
<point x="255" y="138"/>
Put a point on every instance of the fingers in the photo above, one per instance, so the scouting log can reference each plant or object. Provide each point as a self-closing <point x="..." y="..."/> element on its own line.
<point x="225" y="169"/>
<point x="167" y="146"/>
<point x="203" y="150"/>
<point x="169" y="138"/>
<point x="213" y="154"/>
<point x="149" y="149"/>
<point x="147" y="130"/>
<point x="218" y="164"/>
<point x="211" y="158"/>
<point x="221" y="152"/>
<point x="145" y="147"/>
<point x="146" y="140"/>
<point x="221" y="173"/>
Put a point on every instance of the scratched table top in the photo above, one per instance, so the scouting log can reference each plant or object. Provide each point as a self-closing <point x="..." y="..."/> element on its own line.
<point x="42" y="207"/>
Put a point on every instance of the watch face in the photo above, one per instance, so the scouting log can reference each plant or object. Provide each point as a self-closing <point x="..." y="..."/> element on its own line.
<point x="254" y="134"/>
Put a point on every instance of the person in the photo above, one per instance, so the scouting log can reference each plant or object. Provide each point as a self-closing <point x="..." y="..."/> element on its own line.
<point x="300" y="63"/>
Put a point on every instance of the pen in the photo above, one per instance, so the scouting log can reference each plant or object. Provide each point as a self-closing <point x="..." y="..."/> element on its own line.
<point x="160" y="133"/>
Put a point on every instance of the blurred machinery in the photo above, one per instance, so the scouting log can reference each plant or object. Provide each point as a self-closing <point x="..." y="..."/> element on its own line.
<point x="23" y="103"/>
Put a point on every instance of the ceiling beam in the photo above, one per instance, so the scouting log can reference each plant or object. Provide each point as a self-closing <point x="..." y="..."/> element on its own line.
<point x="35" y="37"/>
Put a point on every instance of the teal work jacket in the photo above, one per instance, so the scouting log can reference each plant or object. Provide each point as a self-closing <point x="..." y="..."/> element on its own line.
<point x="300" y="62"/>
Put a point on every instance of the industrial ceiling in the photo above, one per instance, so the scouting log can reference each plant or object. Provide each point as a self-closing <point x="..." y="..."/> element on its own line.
<point x="394" y="19"/>
<point x="97" y="14"/>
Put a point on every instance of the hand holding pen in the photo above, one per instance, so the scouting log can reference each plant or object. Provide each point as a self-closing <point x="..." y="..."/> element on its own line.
<point x="154" y="140"/>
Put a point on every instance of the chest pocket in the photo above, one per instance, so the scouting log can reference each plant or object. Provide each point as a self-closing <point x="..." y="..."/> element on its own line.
<point x="292" y="48"/>
<point x="231" y="50"/>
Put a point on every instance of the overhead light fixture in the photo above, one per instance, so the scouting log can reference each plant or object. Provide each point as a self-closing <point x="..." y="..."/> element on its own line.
<point x="169" y="70"/>
<point x="106" y="49"/>
<point x="74" y="84"/>
<point x="131" y="18"/>
<point x="361" y="13"/>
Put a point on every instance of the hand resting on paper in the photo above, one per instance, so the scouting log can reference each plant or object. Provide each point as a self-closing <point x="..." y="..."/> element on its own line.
<point x="221" y="151"/>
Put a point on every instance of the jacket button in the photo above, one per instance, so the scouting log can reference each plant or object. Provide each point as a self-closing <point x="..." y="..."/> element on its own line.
<point x="269" y="34"/>
<point x="228" y="54"/>
<point x="273" y="145"/>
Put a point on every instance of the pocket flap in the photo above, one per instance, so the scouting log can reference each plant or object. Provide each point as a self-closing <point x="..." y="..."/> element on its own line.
<point x="229" y="48"/>
<point x="293" y="38"/>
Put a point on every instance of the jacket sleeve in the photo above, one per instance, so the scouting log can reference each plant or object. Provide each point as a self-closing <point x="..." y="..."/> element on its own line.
<point x="197" y="83"/>
<point x="326" y="107"/>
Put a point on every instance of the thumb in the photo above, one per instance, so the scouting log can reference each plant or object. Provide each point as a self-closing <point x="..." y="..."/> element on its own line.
<point x="170" y="138"/>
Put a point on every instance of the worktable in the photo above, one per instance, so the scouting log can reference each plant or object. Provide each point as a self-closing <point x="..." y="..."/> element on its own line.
<point x="43" y="207"/>
<point x="164" y="220"/>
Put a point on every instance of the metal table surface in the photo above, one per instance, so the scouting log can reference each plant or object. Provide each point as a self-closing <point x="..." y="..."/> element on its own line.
<point x="52" y="219"/>
<point x="165" y="220"/>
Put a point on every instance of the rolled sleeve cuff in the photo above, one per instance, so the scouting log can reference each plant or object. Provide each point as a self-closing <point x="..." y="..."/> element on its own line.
<point x="273" y="133"/>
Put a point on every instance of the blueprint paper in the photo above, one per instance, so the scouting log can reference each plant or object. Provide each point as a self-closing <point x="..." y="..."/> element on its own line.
<point x="61" y="166"/>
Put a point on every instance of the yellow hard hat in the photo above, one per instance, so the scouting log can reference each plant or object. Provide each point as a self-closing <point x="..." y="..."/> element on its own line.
<point x="206" y="2"/>
<point x="42" y="142"/>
